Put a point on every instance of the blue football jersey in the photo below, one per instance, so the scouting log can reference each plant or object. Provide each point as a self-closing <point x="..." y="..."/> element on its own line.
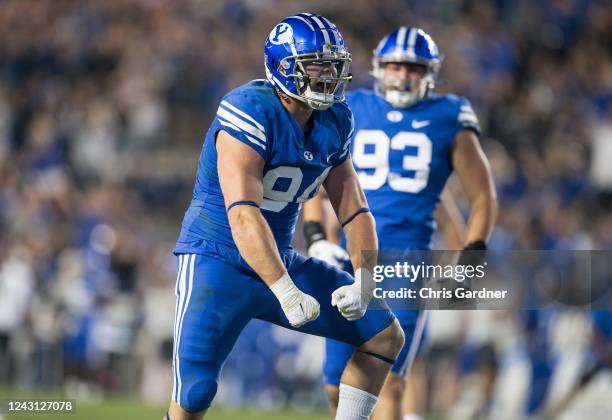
<point x="403" y="159"/>
<point x="295" y="164"/>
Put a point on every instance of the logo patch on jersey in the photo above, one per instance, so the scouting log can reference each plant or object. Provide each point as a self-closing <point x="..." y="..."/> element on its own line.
<point x="420" y="124"/>
<point x="395" y="116"/>
<point x="281" y="34"/>
<point x="308" y="155"/>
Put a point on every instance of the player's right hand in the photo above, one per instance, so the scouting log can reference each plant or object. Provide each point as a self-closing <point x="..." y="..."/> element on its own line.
<point x="305" y="309"/>
<point x="299" y="307"/>
<point x="329" y="252"/>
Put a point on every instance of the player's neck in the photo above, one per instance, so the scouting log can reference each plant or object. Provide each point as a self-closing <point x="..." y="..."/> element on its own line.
<point x="300" y="111"/>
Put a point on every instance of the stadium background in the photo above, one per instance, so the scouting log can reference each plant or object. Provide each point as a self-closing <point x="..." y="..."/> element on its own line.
<point x="103" y="108"/>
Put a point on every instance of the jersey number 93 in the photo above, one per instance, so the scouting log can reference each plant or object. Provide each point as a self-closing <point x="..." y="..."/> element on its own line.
<point x="378" y="160"/>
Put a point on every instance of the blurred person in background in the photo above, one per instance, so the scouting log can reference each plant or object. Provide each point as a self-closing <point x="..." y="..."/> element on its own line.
<point x="583" y="393"/>
<point x="407" y="142"/>
<point x="153" y="344"/>
<point x="16" y="292"/>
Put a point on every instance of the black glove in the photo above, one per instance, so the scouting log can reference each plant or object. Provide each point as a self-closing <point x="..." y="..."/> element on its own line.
<point x="471" y="255"/>
<point x="313" y="232"/>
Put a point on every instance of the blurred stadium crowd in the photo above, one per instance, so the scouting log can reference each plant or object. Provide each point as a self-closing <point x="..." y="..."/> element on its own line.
<point x="103" y="107"/>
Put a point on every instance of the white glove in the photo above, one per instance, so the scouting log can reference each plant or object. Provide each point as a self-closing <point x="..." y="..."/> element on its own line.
<point x="352" y="301"/>
<point x="299" y="308"/>
<point x="329" y="252"/>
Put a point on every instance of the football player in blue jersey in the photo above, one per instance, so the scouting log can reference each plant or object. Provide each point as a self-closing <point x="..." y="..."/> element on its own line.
<point x="407" y="141"/>
<point x="271" y="145"/>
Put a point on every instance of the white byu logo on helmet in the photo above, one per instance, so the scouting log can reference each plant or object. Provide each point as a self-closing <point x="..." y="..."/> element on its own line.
<point x="281" y="34"/>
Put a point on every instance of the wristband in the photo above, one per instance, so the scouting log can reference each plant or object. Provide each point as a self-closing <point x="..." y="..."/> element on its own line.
<point x="313" y="232"/>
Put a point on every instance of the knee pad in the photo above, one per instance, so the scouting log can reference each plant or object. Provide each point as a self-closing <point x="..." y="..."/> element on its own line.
<point x="197" y="395"/>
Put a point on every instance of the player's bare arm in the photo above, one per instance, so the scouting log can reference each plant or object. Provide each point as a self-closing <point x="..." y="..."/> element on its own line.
<point x="312" y="211"/>
<point x="474" y="171"/>
<point x="348" y="200"/>
<point x="450" y="221"/>
<point x="349" y="203"/>
<point x="240" y="175"/>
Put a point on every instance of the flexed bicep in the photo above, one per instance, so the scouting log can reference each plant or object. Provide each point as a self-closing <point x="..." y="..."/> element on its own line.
<point x="240" y="170"/>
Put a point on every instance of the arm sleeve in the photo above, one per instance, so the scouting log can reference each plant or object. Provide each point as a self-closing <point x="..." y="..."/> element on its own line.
<point x="242" y="118"/>
<point x="344" y="152"/>
<point x="467" y="119"/>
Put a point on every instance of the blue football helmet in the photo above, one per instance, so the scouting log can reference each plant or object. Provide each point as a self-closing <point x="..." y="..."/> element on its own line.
<point x="296" y="45"/>
<point x="406" y="45"/>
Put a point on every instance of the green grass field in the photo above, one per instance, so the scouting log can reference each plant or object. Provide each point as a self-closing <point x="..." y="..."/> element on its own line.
<point x="132" y="409"/>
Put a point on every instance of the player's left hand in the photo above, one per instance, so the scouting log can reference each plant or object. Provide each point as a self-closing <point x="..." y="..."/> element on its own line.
<point x="352" y="300"/>
<point x="471" y="255"/>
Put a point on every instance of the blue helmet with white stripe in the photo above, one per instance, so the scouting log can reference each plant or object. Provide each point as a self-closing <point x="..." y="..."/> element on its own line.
<point x="299" y="44"/>
<point x="406" y="45"/>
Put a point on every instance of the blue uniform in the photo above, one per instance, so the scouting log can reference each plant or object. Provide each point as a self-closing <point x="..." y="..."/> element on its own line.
<point x="403" y="159"/>
<point x="217" y="291"/>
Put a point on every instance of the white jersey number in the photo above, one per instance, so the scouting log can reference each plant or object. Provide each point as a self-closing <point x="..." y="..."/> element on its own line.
<point x="275" y="200"/>
<point x="378" y="160"/>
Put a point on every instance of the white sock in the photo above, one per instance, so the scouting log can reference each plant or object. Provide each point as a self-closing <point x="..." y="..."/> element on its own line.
<point x="412" y="417"/>
<point x="355" y="404"/>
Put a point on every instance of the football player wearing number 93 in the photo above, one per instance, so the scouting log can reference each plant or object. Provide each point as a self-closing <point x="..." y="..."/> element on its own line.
<point x="407" y="142"/>
<point x="271" y="145"/>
